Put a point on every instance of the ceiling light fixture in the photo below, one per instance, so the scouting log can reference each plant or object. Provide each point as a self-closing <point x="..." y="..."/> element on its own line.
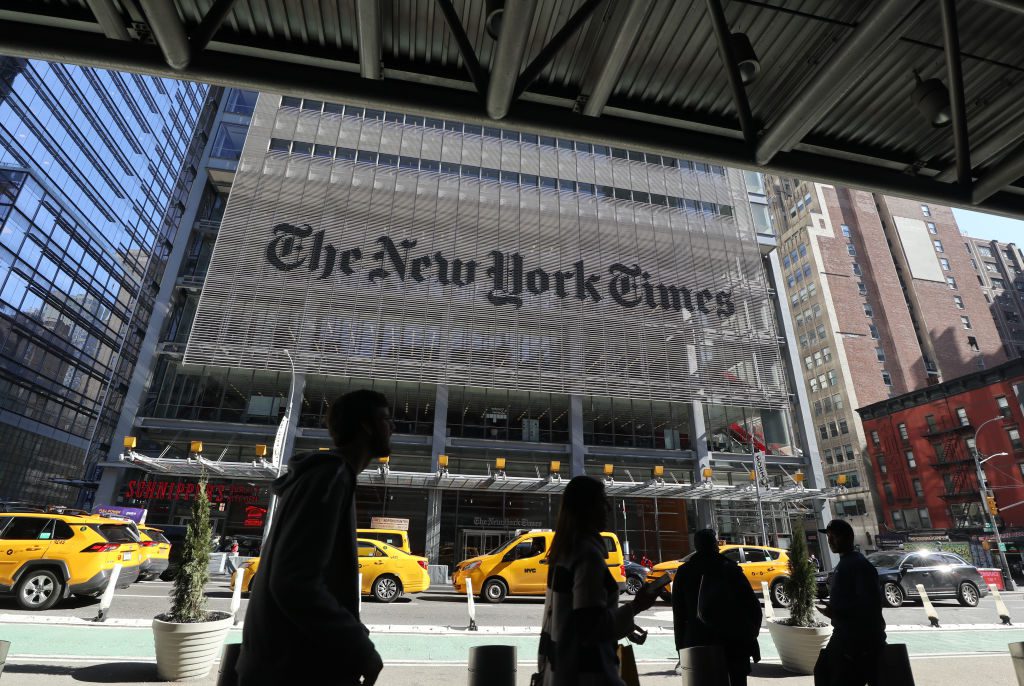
<point x="746" y="58"/>
<point x="932" y="99"/>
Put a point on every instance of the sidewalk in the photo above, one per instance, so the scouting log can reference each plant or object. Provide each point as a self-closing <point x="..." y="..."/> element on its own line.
<point x="930" y="671"/>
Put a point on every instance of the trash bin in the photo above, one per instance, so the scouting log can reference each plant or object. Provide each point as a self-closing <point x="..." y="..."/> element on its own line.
<point x="704" y="666"/>
<point x="1017" y="655"/>
<point x="492" y="666"/>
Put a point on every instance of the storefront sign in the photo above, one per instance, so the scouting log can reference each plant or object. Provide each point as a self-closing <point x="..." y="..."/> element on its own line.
<point x="361" y="270"/>
<point x="507" y="523"/>
<point x="137" y="489"/>
<point x="255" y="516"/>
<point x="136" y="514"/>
<point x="393" y="523"/>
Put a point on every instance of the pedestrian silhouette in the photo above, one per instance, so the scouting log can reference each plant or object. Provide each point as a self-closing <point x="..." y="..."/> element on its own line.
<point x="302" y="623"/>
<point x="855" y="608"/>
<point x="713" y="604"/>
<point x="583" y="620"/>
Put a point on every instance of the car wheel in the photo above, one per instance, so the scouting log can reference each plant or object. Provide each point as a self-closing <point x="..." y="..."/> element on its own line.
<point x="494" y="590"/>
<point x="967" y="594"/>
<point x="779" y="596"/>
<point x="387" y="588"/>
<point x="633" y="584"/>
<point x="892" y="594"/>
<point x="39" y="589"/>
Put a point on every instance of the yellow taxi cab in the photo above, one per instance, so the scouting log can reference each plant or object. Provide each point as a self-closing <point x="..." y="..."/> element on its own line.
<point x="393" y="537"/>
<point x="48" y="557"/>
<point x="155" y="551"/>
<point x="759" y="563"/>
<point x="519" y="567"/>
<point x="387" y="572"/>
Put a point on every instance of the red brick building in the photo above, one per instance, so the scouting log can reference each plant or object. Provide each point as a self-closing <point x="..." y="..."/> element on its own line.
<point x="920" y="451"/>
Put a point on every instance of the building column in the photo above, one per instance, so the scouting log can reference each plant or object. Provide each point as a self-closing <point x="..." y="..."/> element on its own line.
<point x="576" y="434"/>
<point x="432" y="545"/>
<point x="699" y="441"/>
<point x="806" y="438"/>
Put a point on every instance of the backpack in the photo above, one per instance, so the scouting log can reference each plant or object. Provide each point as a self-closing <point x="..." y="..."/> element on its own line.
<point x="720" y="607"/>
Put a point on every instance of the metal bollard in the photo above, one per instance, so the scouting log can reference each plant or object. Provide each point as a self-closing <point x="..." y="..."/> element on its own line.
<point x="1004" y="614"/>
<point x="929" y="609"/>
<point x="492" y="666"/>
<point x="704" y="666"/>
<point x="4" y="647"/>
<point x="1017" y="656"/>
<point x="236" y="596"/>
<point x="894" y="666"/>
<point x="769" y="609"/>
<point x="471" y="607"/>
<point x="108" y="594"/>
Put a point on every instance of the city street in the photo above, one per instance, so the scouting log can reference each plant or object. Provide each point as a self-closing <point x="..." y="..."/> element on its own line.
<point x="441" y="607"/>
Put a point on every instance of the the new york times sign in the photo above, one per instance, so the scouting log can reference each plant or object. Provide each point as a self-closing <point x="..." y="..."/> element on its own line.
<point x="388" y="276"/>
<point x="508" y="279"/>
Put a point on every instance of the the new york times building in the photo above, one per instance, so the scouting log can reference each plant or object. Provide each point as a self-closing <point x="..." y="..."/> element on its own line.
<point x="534" y="308"/>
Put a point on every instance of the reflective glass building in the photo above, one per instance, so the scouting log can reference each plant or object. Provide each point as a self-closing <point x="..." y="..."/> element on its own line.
<point x="94" y="170"/>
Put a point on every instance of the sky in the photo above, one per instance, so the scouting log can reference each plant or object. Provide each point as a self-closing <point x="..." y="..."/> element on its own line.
<point x="981" y="225"/>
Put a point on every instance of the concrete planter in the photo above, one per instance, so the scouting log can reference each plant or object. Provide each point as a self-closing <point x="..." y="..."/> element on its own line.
<point x="188" y="651"/>
<point x="799" y="646"/>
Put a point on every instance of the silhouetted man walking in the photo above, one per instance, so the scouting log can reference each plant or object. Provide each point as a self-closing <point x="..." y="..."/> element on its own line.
<point x="302" y="624"/>
<point x="855" y="608"/>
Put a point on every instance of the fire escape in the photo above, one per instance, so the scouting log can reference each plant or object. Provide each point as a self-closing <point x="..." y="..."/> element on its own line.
<point x="955" y="463"/>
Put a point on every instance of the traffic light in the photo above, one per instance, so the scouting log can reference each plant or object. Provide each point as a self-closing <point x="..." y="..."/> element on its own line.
<point x="992" y="507"/>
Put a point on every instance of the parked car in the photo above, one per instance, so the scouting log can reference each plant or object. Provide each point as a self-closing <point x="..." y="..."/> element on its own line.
<point x="943" y="575"/>
<point x="388" y="572"/>
<point x="635" y="575"/>
<point x="759" y="563"/>
<point x="393" y="537"/>
<point x="52" y="556"/>
<point x="520" y="567"/>
<point x="175" y="535"/>
<point x="156" y="550"/>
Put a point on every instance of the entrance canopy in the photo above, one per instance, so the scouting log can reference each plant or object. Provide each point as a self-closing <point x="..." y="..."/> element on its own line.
<point x="261" y="470"/>
<point x="909" y="97"/>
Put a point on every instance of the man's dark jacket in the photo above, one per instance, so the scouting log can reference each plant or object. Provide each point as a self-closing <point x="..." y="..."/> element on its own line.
<point x="302" y="623"/>
<point x="742" y="613"/>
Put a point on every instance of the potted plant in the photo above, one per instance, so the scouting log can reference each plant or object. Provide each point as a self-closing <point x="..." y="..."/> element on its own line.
<point x="189" y="638"/>
<point x="801" y="636"/>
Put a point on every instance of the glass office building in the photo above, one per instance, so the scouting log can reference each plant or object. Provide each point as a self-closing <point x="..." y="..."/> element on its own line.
<point x="534" y="307"/>
<point x="94" y="170"/>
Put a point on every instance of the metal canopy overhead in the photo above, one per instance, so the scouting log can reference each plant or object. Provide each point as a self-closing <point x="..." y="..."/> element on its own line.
<point x="834" y="98"/>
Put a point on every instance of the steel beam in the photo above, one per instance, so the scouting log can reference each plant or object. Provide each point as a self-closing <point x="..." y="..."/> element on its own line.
<point x="476" y="73"/>
<point x="516" y="25"/>
<point x="1008" y="5"/>
<point x="109" y="19"/>
<point x="999" y="140"/>
<point x="339" y="85"/>
<point x="210" y="24"/>
<point x="1002" y="174"/>
<point x="723" y="37"/>
<point x="558" y="41"/>
<point x="873" y="37"/>
<point x="368" y="30"/>
<point x="955" y="74"/>
<point x="168" y="31"/>
<point x="614" y="62"/>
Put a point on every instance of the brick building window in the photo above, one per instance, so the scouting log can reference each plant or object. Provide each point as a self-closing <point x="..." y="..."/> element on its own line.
<point x="972" y="343"/>
<point x="828" y="456"/>
<point x="880" y="354"/>
<point x="999" y="283"/>
<point x="874" y="331"/>
<point x="926" y="520"/>
<point x="945" y="264"/>
<point x="823" y="432"/>
<point x="966" y="321"/>
<point x="929" y="419"/>
<point x="849" y="451"/>
<point x="881" y="463"/>
<point x="911" y="462"/>
<point x="985" y="251"/>
<point x="886" y="379"/>
<point x="813" y="384"/>
<point x="817" y="359"/>
<point x="938" y="245"/>
<point x="958" y="301"/>
<point x="833" y="429"/>
<point x="926" y="211"/>
<point x="903" y="431"/>
<point x="851" y="249"/>
<point x="817" y="408"/>
<point x="832" y="378"/>
<point x="868" y="310"/>
<point x="807" y="270"/>
<point x="826" y="353"/>
<point x="961" y="415"/>
<point x="951" y="282"/>
<point x="971" y="446"/>
<point x="1004" y="406"/>
<point x="874" y="438"/>
<point x="808" y="362"/>
<point x="890" y="499"/>
<point x="940" y="452"/>
<point x="918" y="489"/>
<point x="837" y="401"/>
<point x="844" y="427"/>
<point x="856" y="269"/>
<point x="1014" y="435"/>
<point x="861" y="288"/>
<point x="931" y="228"/>
<point x="845" y="229"/>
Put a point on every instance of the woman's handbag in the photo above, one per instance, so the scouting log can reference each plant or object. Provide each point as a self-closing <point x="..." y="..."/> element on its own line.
<point x="627" y="665"/>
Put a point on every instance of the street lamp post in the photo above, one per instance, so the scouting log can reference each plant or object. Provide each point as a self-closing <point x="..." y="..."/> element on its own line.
<point x="983" y="491"/>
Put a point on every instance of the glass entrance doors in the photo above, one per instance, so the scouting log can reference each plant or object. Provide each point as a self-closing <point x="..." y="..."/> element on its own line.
<point x="480" y="541"/>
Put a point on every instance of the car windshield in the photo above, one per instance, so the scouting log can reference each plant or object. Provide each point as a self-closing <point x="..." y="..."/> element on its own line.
<point x="117" y="533"/>
<point x="885" y="559"/>
<point x="503" y="546"/>
<point x="156" y="535"/>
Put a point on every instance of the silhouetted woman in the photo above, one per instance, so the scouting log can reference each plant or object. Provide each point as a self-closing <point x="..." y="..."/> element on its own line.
<point x="582" y="617"/>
